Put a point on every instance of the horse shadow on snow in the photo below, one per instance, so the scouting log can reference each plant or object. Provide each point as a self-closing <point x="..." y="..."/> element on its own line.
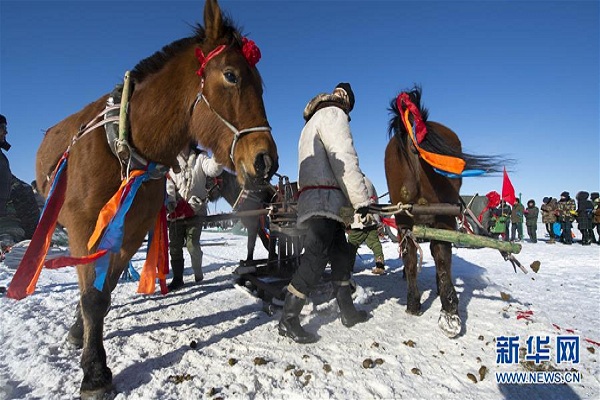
<point x="468" y="278"/>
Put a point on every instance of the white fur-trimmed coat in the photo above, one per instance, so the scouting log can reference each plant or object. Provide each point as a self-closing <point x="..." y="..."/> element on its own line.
<point x="190" y="183"/>
<point x="327" y="158"/>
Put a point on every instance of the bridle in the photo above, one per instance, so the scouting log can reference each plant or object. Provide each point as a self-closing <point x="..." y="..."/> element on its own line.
<point x="237" y="134"/>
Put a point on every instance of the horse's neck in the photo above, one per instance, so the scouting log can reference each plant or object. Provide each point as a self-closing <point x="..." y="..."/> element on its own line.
<point x="161" y="110"/>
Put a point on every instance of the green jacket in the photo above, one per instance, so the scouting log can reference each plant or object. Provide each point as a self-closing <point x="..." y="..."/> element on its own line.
<point x="516" y="215"/>
<point x="531" y="216"/>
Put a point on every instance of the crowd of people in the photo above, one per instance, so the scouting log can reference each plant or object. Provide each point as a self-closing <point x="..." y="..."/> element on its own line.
<point x="557" y="215"/>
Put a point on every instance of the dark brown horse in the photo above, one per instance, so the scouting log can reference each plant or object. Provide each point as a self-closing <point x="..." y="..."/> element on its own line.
<point x="412" y="180"/>
<point x="228" y="188"/>
<point x="170" y="105"/>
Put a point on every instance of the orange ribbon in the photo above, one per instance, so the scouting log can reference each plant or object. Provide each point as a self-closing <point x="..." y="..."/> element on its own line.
<point x="443" y="162"/>
<point x="157" y="259"/>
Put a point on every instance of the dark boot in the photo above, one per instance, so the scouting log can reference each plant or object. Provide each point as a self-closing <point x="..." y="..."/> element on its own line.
<point x="177" y="282"/>
<point x="289" y="324"/>
<point x="586" y="240"/>
<point x="349" y="315"/>
<point x="379" y="266"/>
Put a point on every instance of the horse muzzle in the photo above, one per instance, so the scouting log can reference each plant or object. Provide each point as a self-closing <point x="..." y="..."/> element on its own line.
<point x="264" y="169"/>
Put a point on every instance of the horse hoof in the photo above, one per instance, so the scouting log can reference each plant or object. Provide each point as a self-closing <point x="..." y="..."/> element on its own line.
<point x="76" y="341"/>
<point x="450" y="324"/>
<point x="106" y="393"/>
<point x="75" y="335"/>
<point x="416" y="311"/>
<point x="97" y="382"/>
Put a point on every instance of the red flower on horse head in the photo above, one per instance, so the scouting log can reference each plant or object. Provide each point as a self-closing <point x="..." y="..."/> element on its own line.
<point x="250" y="51"/>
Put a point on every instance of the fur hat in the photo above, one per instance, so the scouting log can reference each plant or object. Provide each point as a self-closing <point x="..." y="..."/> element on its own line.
<point x="546" y="200"/>
<point x="565" y="194"/>
<point x="346" y="87"/>
<point x="594" y="195"/>
<point x="582" y="195"/>
<point x="323" y="100"/>
<point x="2" y="119"/>
<point x="531" y="201"/>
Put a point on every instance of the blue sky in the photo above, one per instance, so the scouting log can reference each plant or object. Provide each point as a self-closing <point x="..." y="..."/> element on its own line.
<point x="519" y="78"/>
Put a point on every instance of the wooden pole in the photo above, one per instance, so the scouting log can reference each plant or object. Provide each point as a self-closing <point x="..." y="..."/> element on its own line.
<point x="122" y="147"/>
<point x="416" y="209"/>
<point x="444" y="235"/>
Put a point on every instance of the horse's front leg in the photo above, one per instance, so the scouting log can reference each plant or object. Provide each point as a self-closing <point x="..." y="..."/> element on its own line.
<point x="94" y="305"/>
<point x="409" y="258"/>
<point x="449" y="320"/>
<point x="97" y="377"/>
<point x="75" y="335"/>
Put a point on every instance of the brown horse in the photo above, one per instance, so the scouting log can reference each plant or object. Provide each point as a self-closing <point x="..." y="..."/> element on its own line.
<point x="170" y="105"/>
<point x="411" y="180"/>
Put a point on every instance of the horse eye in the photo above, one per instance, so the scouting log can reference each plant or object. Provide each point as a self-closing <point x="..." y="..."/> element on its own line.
<point x="230" y="76"/>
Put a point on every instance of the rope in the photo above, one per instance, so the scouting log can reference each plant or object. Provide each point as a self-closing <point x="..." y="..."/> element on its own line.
<point x="391" y="209"/>
<point x="407" y="234"/>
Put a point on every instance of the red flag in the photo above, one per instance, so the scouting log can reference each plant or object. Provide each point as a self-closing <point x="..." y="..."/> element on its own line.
<point x="508" y="191"/>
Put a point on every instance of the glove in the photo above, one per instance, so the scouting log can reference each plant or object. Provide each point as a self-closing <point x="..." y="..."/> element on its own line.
<point x="363" y="211"/>
<point x="196" y="203"/>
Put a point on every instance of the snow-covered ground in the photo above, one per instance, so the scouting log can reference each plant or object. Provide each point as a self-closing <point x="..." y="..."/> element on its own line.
<point x="214" y="341"/>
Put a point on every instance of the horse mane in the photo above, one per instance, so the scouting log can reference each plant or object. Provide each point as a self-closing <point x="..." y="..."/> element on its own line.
<point x="434" y="141"/>
<point x="159" y="59"/>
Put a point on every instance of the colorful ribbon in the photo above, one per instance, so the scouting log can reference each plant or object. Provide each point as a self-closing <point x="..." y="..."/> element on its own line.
<point x="449" y="166"/>
<point x="28" y="272"/>
<point x="157" y="257"/>
<point x="110" y="221"/>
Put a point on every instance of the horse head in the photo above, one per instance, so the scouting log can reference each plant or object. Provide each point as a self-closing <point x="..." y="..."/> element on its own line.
<point x="229" y="102"/>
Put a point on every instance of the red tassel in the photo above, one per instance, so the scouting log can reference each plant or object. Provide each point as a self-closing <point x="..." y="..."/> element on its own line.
<point x="28" y="272"/>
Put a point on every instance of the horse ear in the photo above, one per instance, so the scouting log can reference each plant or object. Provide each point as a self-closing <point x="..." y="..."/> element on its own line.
<point x="213" y="20"/>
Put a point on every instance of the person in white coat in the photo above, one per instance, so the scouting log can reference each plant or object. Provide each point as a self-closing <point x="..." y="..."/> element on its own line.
<point x="186" y="203"/>
<point x="329" y="178"/>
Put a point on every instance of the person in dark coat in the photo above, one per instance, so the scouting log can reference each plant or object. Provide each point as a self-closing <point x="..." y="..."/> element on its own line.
<point x="584" y="217"/>
<point x="595" y="197"/>
<point x="5" y="173"/>
<point x="10" y="229"/>
<point x="566" y="216"/>
<point x="23" y="202"/>
<point x="531" y="217"/>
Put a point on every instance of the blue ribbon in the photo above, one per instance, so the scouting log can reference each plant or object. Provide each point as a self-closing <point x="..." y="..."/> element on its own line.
<point x="465" y="174"/>
<point x="112" y="239"/>
<point x="61" y="168"/>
